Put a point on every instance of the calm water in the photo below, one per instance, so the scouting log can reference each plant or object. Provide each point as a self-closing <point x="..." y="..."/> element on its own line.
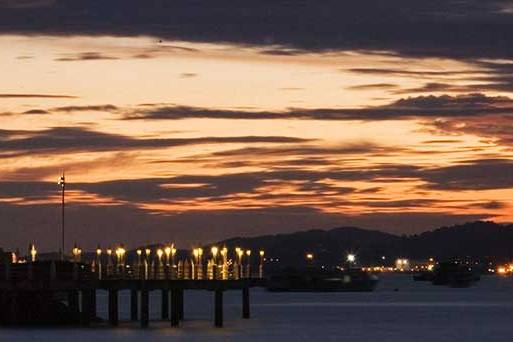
<point x="416" y="312"/>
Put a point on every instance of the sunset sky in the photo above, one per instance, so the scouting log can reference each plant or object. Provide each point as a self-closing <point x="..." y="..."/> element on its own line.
<point x="192" y="121"/>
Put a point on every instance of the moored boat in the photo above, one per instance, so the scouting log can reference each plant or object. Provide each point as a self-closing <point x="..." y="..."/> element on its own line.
<point x="318" y="280"/>
<point x="455" y="274"/>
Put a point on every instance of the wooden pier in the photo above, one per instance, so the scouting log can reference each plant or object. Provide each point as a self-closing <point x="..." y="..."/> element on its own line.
<point x="42" y="282"/>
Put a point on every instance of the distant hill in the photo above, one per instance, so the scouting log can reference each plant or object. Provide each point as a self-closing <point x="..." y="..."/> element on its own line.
<point x="476" y="240"/>
<point x="484" y="241"/>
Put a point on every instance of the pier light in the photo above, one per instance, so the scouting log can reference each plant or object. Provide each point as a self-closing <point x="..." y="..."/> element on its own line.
<point x="167" y="251"/>
<point x="109" y="252"/>
<point x="200" y="252"/>
<point x="173" y="253"/>
<point x="261" y="265"/>
<point x="33" y="253"/>
<point x="248" y="252"/>
<point x="239" y="254"/>
<point x="160" y="252"/>
<point x="195" y="252"/>
<point x="224" y="252"/>
<point x="351" y="258"/>
<point x="148" y="251"/>
<point x="214" y="251"/>
<point x="98" y="251"/>
<point x="120" y="253"/>
<point x="139" y="253"/>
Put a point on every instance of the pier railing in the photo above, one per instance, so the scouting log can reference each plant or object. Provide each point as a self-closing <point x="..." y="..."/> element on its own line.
<point x="79" y="271"/>
<point x="181" y="270"/>
<point x="45" y="271"/>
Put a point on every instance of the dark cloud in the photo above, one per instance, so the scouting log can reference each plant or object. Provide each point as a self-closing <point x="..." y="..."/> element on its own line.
<point x="359" y="148"/>
<point x="35" y="111"/>
<point x="410" y="72"/>
<point x="185" y="112"/>
<point x="497" y="76"/>
<point x="497" y="129"/>
<point x="85" y="56"/>
<point x="31" y="173"/>
<point x="70" y="109"/>
<point x="491" y="205"/>
<point x="482" y="174"/>
<point x="446" y="28"/>
<point x="486" y="76"/>
<point x="206" y="186"/>
<point x="212" y="162"/>
<point x="474" y="104"/>
<point x="371" y="190"/>
<point x="282" y="52"/>
<point x="374" y="86"/>
<point x="142" y="56"/>
<point x="76" y="139"/>
<point x="178" y="188"/>
<point x="36" y="96"/>
<point x="188" y="75"/>
<point x="435" y="87"/>
<point x="26" y="189"/>
<point x="442" y="141"/>
<point x="470" y="175"/>
<point x="94" y="108"/>
<point x="175" y="188"/>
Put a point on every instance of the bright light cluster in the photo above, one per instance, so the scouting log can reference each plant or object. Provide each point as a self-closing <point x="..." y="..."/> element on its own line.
<point x="505" y="270"/>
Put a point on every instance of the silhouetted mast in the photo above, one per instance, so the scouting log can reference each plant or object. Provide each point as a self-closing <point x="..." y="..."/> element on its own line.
<point x="62" y="183"/>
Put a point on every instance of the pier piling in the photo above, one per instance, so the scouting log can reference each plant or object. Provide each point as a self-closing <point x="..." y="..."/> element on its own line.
<point x="134" y="303"/>
<point x="73" y="300"/>
<point x="13" y="310"/>
<point x="92" y="312"/>
<point x="175" y="309"/>
<point x="218" y="308"/>
<point x="164" y="298"/>
<point x="245" y="302"/>
<point x="145" y="308"/>
<point x="113" y="307"/>
<point x="180" y="304"/>
<point x="87" y="306"/>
